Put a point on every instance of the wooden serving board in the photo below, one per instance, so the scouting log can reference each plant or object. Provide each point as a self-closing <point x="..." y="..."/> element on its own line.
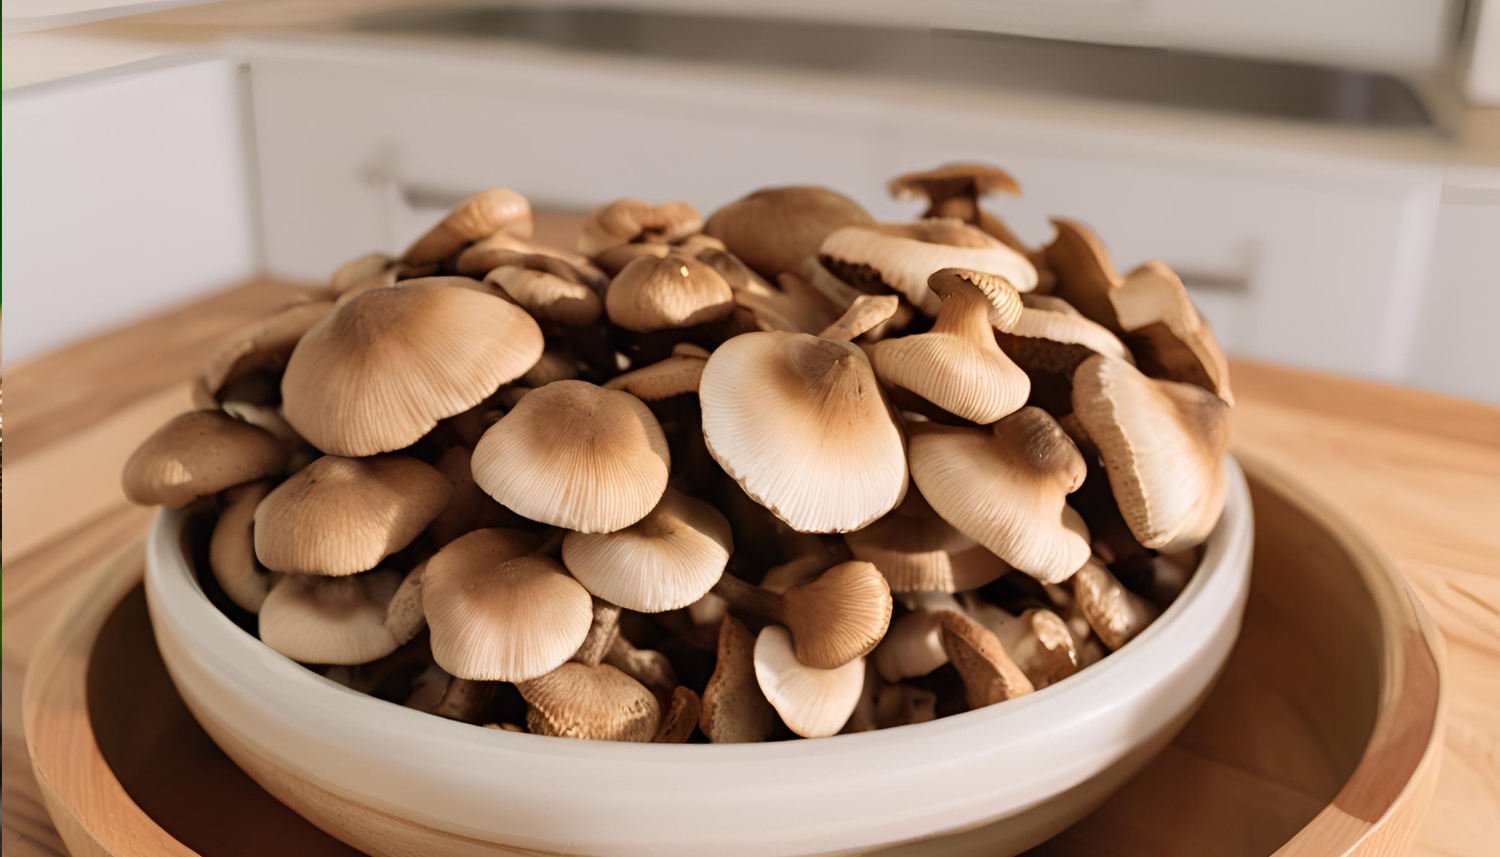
<point x="1322" y="737"/>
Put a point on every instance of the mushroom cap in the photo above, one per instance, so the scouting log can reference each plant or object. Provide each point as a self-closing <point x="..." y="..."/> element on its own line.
<point x="989" y="674"/>
<point x="966" y="181"/>
<point x="1006" y="487"/>
<point x="327" y="620"/>
<point x="575" y="456"/>
<point x="356" y="271"/>
<point x="775" y="229"/>
<point x="838" y="616"/>
<point x="1163" y="446"/>
<point x="957" y="365"/>
<point x="263" y="346"/>
<point x="630" y="221"/>
<point x="231" y="548"/>
<point x="914" y="644"/>
<point x="383" y="369"/>
<point x="734" y="710"/>
<point x="596" y="702"/>
<point x="196" y="454"/>
<point x="481" y="215"/>
<point x="673" y="291"/>
<point x="664" y="561"/>
<point x="812" y="702"/>
<point x="1038" y="640"/>
<point x="1085" y="272"/>
<point x="680" y="718"/>
<point x="487" y="254"/>
<point x="547" y="287"/>
<point x="1115" y="613"/>
<point x="499" y="614"/>
<point x="1050" y="335"/>
<point x="918" y="551"/>
<point x="801" y="424"/>
<point x="340" y="516"/>
<point x="674" y="376"/>
<point x="1161" y="323"/>
<point x="901" y="257"/>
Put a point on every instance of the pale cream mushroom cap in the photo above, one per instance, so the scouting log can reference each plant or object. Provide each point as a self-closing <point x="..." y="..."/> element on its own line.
<point x="231" y="548"/>
<point x="1173" y="341"/>
<point x="481" y="215"/>
<point x="1115" y="613"/>
<point x="774" y="229"/>
<point x="328" y="620"/>
<point x="673" y="291"/>
<point x="340" y="516"/>
<point x="595" y="702"/>
<point x="382" y="370"/>
<point x="918" y="551"/>
<point x="812" y="702"/>
<point x="734" y="710"/>
<point x="575" y="456"/>
<point x="1163" y="446"/>
<point x="498" y="614"/>
<point x="914" y="644"/>
<point x="664" y="561"/>
<point x="1006" y="487"/>
<point x="801" y="424"/>
<point x="196" y="454"/>
<point x="957" y="365"/>
<point x="630" y="221"/>
<point x="1051" y="336"/>
<point x="264" y="346"/>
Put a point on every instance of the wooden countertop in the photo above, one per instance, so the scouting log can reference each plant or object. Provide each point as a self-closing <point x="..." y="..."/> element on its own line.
<point x="1420" y="472"/>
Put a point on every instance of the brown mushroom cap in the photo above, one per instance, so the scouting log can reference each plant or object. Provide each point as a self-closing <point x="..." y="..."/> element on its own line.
<point x="326" y="620"/>
<point x="340" y="516"/>
<point x="674" y="376"/>
<point x="735" y="711"/>
<point x="1163" y="326"/>
<point x="630" y="221"/>
<point x="1086" y="274"/>
<point x="498" y="614"/>
<point x="812" y="702"/>
<point x="839" y="616"/>
<point x="547" y="287"/>
<point x="774" y="229"/>
<point x="680" y="718"/>
<point x="356" y="271"/>
<point x="953" y="190"/>
<point x="231" y="548"/>
<point x="1162" y="443"/>
<point x="487" y="254"/>
<point x="989" y="674"/>
<point x="1006" y="487"/>
<point x="901" y="257"/>
<point x="957" y="365"/>
<point x="196" y="454"/>
<point x="481" y="215"/>
<point x="384" y="368"/>
<point x="918" y="551"/>
<point x="800" y="423"/>
<point x="264" y="346"/>
<point x="575" y="456"/>
<point x="1115" y="613"/>
<point x="664" y="561"/>
<point x="673" y="291"/>
<point x="593" y="702"/>
<point x="1051" y="336"/>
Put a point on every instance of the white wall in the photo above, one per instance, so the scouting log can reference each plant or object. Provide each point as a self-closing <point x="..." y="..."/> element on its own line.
<point x="123" y="193"/>
<point x="1458" y="342"/>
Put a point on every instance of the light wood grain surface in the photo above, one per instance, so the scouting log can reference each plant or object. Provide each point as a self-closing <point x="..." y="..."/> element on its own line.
<point x="1420" y="472"/>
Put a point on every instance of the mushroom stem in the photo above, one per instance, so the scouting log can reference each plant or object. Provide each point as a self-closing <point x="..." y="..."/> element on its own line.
<point x="466" y="700"/>
<point x="748" y="598"/>
<point x="865" y="314"/>
<point x="602" y="634"/>
<point x="647" y="666"/>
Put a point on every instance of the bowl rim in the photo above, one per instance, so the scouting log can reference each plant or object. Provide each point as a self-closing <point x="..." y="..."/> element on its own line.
<point x="171" y="578"/>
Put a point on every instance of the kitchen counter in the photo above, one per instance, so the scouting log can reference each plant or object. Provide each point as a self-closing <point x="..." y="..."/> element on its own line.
<point x="1419" y="472"/>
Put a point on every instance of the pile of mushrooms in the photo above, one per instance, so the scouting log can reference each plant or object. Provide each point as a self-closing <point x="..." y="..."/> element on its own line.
<point x="784" y="472"/>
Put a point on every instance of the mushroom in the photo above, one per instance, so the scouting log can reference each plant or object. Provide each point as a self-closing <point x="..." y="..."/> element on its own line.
<point x="812" y="702"/>
<point x="326" y="620"/>
<point x="465" y="701"/>
<point x="299" y="452"/>
<point x="1162" y="443"/>
<point x="1038" y="640"/>
<point x="801" y="424"/>
<point x="630" y="221"/>
<point x="674" y="376"/>
<point x="988" y="673"/>
<point x="403" y="616"/>
<point x="604" y="629"/>
<point x="497" y="613"/>
<point x="356" y="271"/>
<point x="262" y="347"/>
<point x="863" y="315"/>
<point x="592" y="702"/>
<point x="835" y="618"/>
<point x="957" y="365"/>
<point x="647" y="666"/>
<point x="914" y="644"/>
<point x="773" y="308"/>
<point x="553" y="365"/>
<point x="1115" y="613"/>
<point x="918" y="551"/>
<point x="673" y="291"/>
<point x="196" y="454"/>
<point x="734" y="710"/>
<point x="954" y="190"/>
<point x="546" y="287"/>
<point x="231" y="548"/>
<point x="382" y="370"/>
<point x="903" y="705"/>
<point x="1006" y="487"/>
<point x="1086" y="276"/>
<point x="1163" y="327"/>
<point x="470" y="508"/>
<point x="774" y="229"/>
<point x="481" y="215"/>
<point x="664" y="561"/>
<point x="575" y="456"/>
<point x="680" y="719"/>
<point x="1051" y="336"/>
<point x="487" y="254"/>
<point x="340" y="516"/>
<point x="900" y="257"/>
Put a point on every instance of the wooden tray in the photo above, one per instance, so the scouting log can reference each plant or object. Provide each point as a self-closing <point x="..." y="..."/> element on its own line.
<point x="1322" y="737"/>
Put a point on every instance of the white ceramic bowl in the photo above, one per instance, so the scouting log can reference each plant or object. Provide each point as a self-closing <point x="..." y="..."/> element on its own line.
<point x="394" y="781"/>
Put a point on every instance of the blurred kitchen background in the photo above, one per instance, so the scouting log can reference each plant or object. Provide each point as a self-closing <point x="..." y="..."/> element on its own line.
<point x="1324" y="175"/>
